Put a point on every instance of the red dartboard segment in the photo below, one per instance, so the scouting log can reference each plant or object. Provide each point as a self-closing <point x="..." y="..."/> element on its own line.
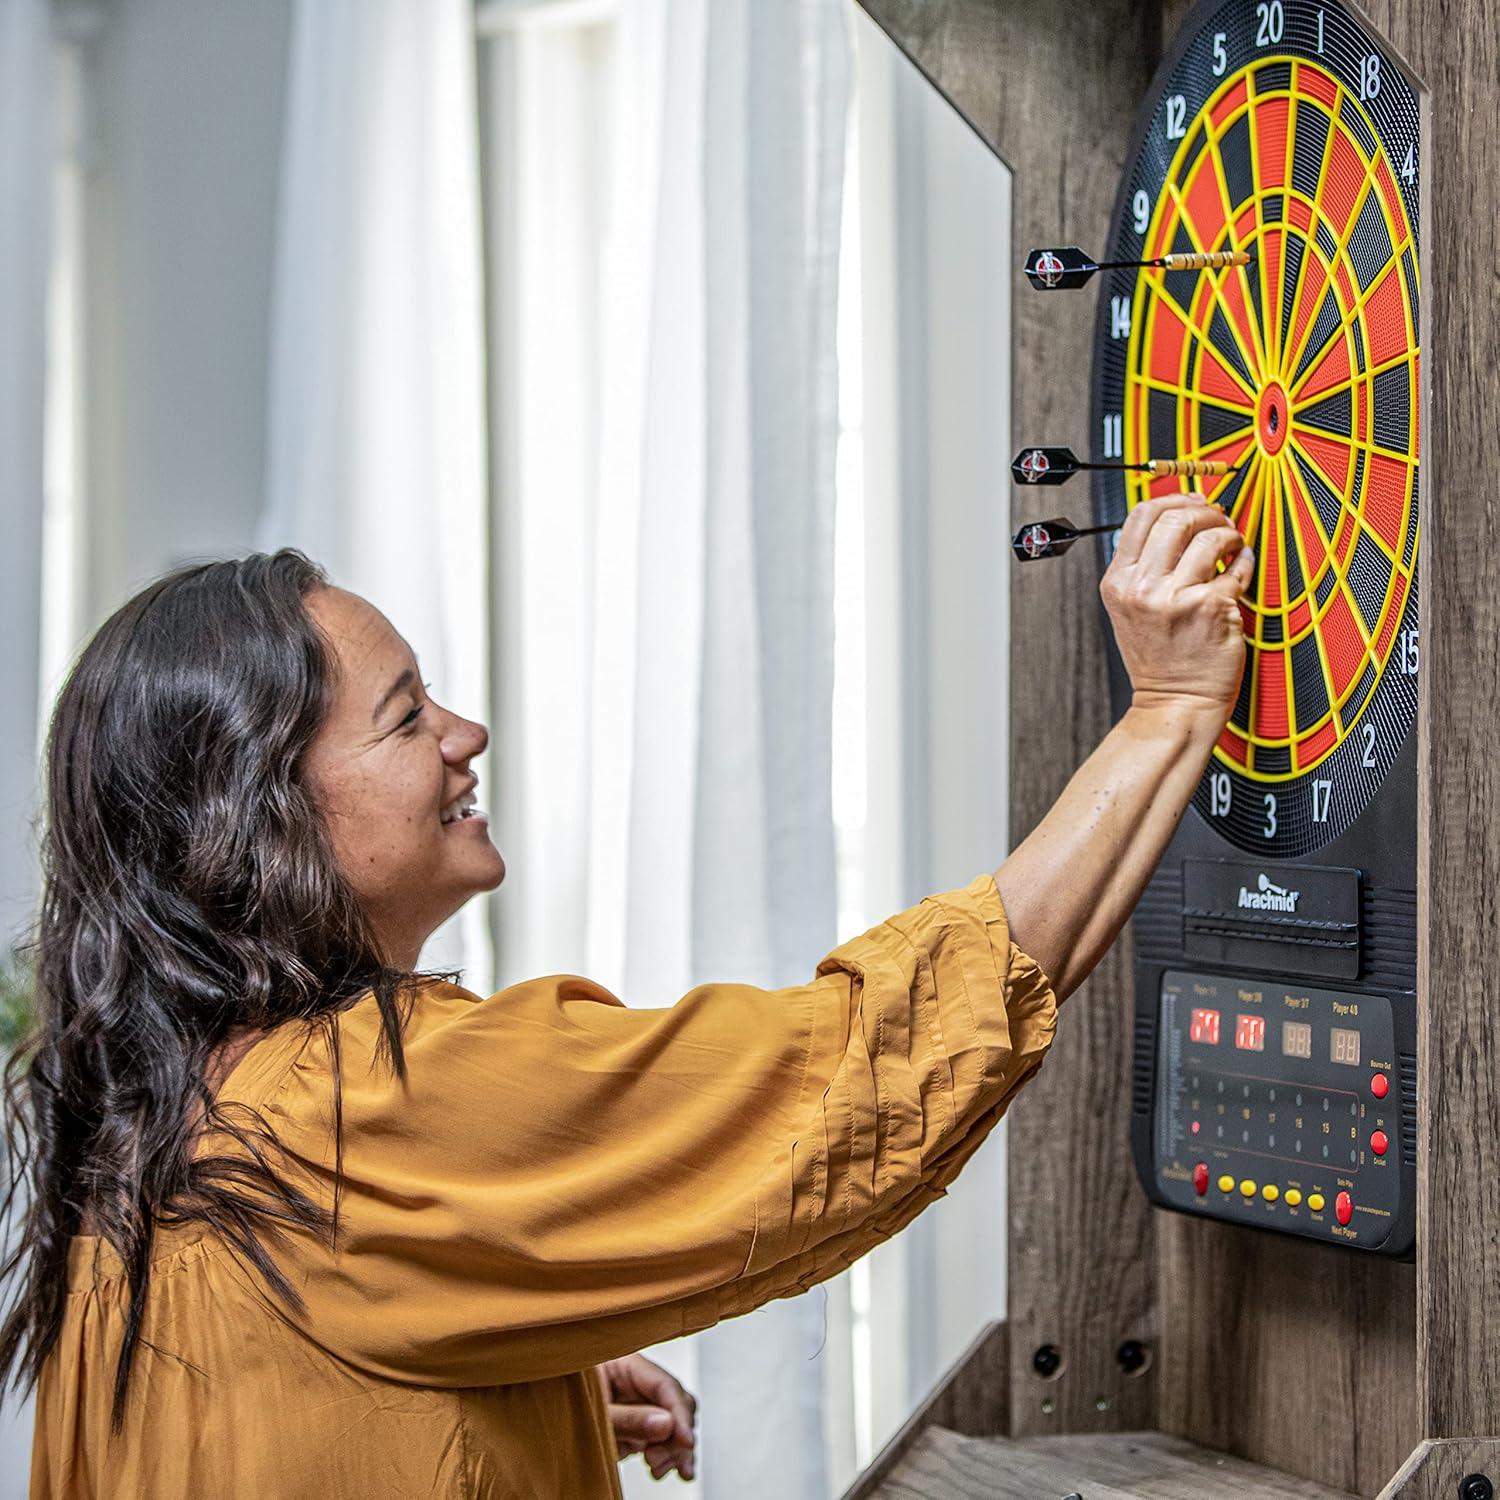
<point x="1311" y="748"/>
<point x="1271" y="141"/>
<point x="1330" y="370"/>
<point x="1385" y="312"/>
<point x="1344" y="181"/>
<point x="1270" y="695"/>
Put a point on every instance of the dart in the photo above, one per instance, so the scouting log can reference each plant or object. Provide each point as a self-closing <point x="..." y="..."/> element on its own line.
<point x="1038" y="539"/>
<point x="1060" y="270"/>
<point x="1058" y="465"/>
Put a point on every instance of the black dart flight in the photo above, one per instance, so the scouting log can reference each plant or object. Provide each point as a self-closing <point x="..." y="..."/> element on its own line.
<point x="1063" y="269"/>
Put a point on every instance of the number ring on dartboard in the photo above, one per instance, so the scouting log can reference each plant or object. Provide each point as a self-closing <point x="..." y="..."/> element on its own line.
<point x="1283" y="131"/>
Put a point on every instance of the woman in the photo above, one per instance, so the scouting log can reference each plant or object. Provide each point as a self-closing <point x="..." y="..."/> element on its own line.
<point x="301" y="1221"/>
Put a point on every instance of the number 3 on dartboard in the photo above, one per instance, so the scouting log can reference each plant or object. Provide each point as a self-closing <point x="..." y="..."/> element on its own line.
<point x="1269" y="803"/>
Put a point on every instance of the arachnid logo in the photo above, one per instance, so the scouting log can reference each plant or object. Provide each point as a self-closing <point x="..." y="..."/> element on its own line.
<point x="1268" y="897"/>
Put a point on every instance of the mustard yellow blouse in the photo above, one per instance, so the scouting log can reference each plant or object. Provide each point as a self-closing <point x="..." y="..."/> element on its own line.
<point x="561" y="1180"/>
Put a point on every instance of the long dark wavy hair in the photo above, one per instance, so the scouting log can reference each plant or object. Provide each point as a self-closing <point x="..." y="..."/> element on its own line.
<point x="190" y="895"/>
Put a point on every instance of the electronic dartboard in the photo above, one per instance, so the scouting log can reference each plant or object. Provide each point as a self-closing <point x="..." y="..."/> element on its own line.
<point x="1258" y="339"/>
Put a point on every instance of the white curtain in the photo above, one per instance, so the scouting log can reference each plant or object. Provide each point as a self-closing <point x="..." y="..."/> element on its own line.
<point x="25" y="191"/>
<point x="376" y="439"/>
<point x="665" y="621"/>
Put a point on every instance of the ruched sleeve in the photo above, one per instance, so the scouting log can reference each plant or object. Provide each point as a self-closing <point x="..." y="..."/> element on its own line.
<point x="561" y="1180"/>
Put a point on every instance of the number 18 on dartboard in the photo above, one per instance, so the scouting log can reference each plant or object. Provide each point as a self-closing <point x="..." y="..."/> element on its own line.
<point x="1259" y="312"/>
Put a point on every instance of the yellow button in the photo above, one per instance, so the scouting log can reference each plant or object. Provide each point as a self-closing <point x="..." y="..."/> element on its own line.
<point x="1293" y="1197"/>
<point x="1270" y="1192"/>
<point x="1247" y="1188"/>
<point x="1315" y="1202"/>
<point x="1226" y="1183"/>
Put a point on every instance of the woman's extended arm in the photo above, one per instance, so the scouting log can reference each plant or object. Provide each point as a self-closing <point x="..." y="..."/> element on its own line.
<point x="1070" y="885"/>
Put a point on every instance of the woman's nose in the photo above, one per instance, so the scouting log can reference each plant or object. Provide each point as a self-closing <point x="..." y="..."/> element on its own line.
<point x="464" y="739"/>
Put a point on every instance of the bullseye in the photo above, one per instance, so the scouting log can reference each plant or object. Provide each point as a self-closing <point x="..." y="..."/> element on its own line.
<point x="1271" y="419"/>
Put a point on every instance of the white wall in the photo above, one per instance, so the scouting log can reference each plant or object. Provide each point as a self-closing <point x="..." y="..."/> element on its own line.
<point x="182" y="140"/>
<point x="178" y="146"/>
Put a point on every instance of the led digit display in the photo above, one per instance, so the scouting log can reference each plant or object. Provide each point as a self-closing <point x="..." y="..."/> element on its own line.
<point x="1344" y="1046"/>
<point x="1205" y="1027"/>
<point x="1250" y="1033"/>
<point x="1296" y="1039"/>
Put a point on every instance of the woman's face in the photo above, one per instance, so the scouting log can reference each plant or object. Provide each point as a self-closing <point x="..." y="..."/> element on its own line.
<point x="390" y="770"/>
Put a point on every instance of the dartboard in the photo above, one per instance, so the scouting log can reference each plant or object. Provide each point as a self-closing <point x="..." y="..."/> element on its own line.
<point x="1282" y="130"/>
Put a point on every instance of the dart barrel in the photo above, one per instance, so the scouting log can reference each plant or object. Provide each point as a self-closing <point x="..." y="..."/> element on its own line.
<point x="1186" y="468"/>
<point x="1201" y="260"/>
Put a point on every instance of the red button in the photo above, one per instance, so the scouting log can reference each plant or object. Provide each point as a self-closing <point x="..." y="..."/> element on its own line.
<point x="1380" y="1085"/>
<point x="1343" y="1208"/>
<point x="1378" y="1143"/>
<point x="1200" y="1178"/>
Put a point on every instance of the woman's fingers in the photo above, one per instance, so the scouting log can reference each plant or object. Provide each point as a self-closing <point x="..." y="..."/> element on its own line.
<point x="1235" y="579"/>
<point x="662" y="1387"/>
<point x="1201" y="558"/>
<point x="662" y="1458"/>
<point x="1173" y="532"/>
<point x="1139" y="522"/>
<point x="636" y="1426"/>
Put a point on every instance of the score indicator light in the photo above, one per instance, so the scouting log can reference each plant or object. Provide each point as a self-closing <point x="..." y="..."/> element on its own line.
<point x="1204" y="1027"/>
<point x="1250" y="1033"/>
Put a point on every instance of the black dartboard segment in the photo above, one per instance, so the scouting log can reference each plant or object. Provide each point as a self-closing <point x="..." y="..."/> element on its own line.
<point x="1283" y="129"/>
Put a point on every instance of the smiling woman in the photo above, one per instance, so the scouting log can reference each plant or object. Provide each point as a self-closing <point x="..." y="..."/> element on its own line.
<point x="402" y="819"/>
<point x="278" y="1183"/>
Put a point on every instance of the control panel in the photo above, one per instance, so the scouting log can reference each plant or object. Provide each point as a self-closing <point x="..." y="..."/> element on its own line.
<point x="1282" y="1106"/>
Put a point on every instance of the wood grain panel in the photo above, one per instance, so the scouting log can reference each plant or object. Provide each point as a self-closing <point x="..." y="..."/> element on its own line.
<point x="1454" y="46"/>
<point x="1279" y="1349"/>
<point x="1116" y="1466"/>
<point x="1438" y="1467"/>
<point x="1053" y="89"/>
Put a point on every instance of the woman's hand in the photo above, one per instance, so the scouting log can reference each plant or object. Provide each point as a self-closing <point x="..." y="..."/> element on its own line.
<point x="1176" y="617"/>
<point x="650" y="1413"/>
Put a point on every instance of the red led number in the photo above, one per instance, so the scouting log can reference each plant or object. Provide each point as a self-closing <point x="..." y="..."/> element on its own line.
<point x="1205" y="1027"/>
<point x="1250" y="1033"/>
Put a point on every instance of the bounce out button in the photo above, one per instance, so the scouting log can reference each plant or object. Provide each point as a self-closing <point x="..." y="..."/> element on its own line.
<point x="1380" y="1085"/>
<point x="1343" y="1208"/>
